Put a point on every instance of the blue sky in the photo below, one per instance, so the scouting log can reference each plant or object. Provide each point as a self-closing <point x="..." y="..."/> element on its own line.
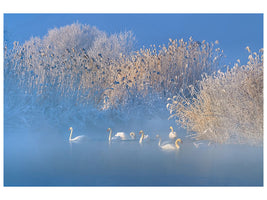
<point x="234" y="31"/>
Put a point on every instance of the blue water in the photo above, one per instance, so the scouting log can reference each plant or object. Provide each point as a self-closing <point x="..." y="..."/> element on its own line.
<point x="44" y="157"/>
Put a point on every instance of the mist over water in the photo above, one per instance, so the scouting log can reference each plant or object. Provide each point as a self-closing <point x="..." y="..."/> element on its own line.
<point x="41" y="155"/>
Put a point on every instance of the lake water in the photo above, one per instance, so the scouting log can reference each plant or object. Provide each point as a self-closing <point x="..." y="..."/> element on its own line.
<point x="44" y="157"/>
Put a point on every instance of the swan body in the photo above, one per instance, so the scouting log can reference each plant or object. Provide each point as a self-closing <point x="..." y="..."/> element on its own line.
<point x="169" y="146"/>
<point x="119" y="135"/>
<point x="76" y="139"/>
<point x="143" y="137"/>
<point x="172" y="134"/>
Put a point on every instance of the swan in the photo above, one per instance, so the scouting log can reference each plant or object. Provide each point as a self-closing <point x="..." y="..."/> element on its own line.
<point x="143" y="137"/>
<point x="172" y="135"/>
<point x="169" y="146"/>
<point x="120" y="135"/>
<point x="76" y="139"/>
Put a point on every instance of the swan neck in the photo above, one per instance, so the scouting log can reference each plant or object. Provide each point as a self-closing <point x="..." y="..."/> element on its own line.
<point x="132" y="134"/>
<point x="141" y="139"/>
<point x="109" y="138"/>
<point x="176" y="144"/>
<point x="159" y="141"/>
<point x="70" y="134"/>
<point x="171" y="129"/>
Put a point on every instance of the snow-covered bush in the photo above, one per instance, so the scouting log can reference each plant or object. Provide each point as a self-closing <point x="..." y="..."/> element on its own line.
<point x="88" y="66"/>
<point x="226" y="107"/>
<point x="79" y="72"/>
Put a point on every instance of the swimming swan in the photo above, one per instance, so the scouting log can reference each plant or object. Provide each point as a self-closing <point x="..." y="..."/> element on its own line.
<point x="76" y="139"/>
<point x="169" y="146"/>
<point x="172" y="135"/>
<point x="143" y="137"/>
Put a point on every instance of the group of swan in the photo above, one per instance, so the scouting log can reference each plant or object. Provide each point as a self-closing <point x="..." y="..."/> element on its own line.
<point x="132" y="136"/>
<point x="123" y="136"/>
<point x="120" y="136"/>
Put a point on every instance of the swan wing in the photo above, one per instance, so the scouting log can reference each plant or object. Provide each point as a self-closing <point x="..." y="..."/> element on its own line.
<point x="79" y="138"/>
<point x="168" y="147"/>
<point x="166" y="143"/>
<point x="146" y="137"/>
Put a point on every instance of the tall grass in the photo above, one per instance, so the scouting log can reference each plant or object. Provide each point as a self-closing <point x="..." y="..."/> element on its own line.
<point x="88" y="66"/>
<point x="225" y="107"/>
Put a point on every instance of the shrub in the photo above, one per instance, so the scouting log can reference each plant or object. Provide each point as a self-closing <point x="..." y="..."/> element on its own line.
<point x="225" y="107"/>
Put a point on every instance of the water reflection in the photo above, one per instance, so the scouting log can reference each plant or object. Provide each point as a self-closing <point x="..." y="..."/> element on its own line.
<point x="36" y="160"/>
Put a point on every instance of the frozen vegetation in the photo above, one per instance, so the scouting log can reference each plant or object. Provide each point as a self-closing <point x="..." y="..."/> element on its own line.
<point x="79" y="74"/>
<point x="226" y="106"/>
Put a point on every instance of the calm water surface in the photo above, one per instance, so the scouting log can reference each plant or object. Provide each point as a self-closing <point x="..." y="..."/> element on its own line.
<point x="48" y="159"/>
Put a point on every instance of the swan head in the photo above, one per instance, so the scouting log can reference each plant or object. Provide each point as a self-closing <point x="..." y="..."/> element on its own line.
<point x="108" y="129"/>
<point x="141" y="132"/>
<point x="157" y="136"/>
<point x="178" y="140"/>
<point x="70" y="129"/>
<point x="132" y="134"/>
<point x="171" y="127"/>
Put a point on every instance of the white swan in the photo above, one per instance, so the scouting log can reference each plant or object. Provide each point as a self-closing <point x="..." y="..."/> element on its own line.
<point x="76" y="139"/>
<point x="120" y="136"/>
<point x="169" y="146"/>
<point x="172" y="134"/>
<point x="143" y="137"/>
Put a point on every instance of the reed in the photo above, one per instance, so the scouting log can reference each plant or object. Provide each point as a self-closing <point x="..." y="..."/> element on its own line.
<point x="226" y="107"/>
